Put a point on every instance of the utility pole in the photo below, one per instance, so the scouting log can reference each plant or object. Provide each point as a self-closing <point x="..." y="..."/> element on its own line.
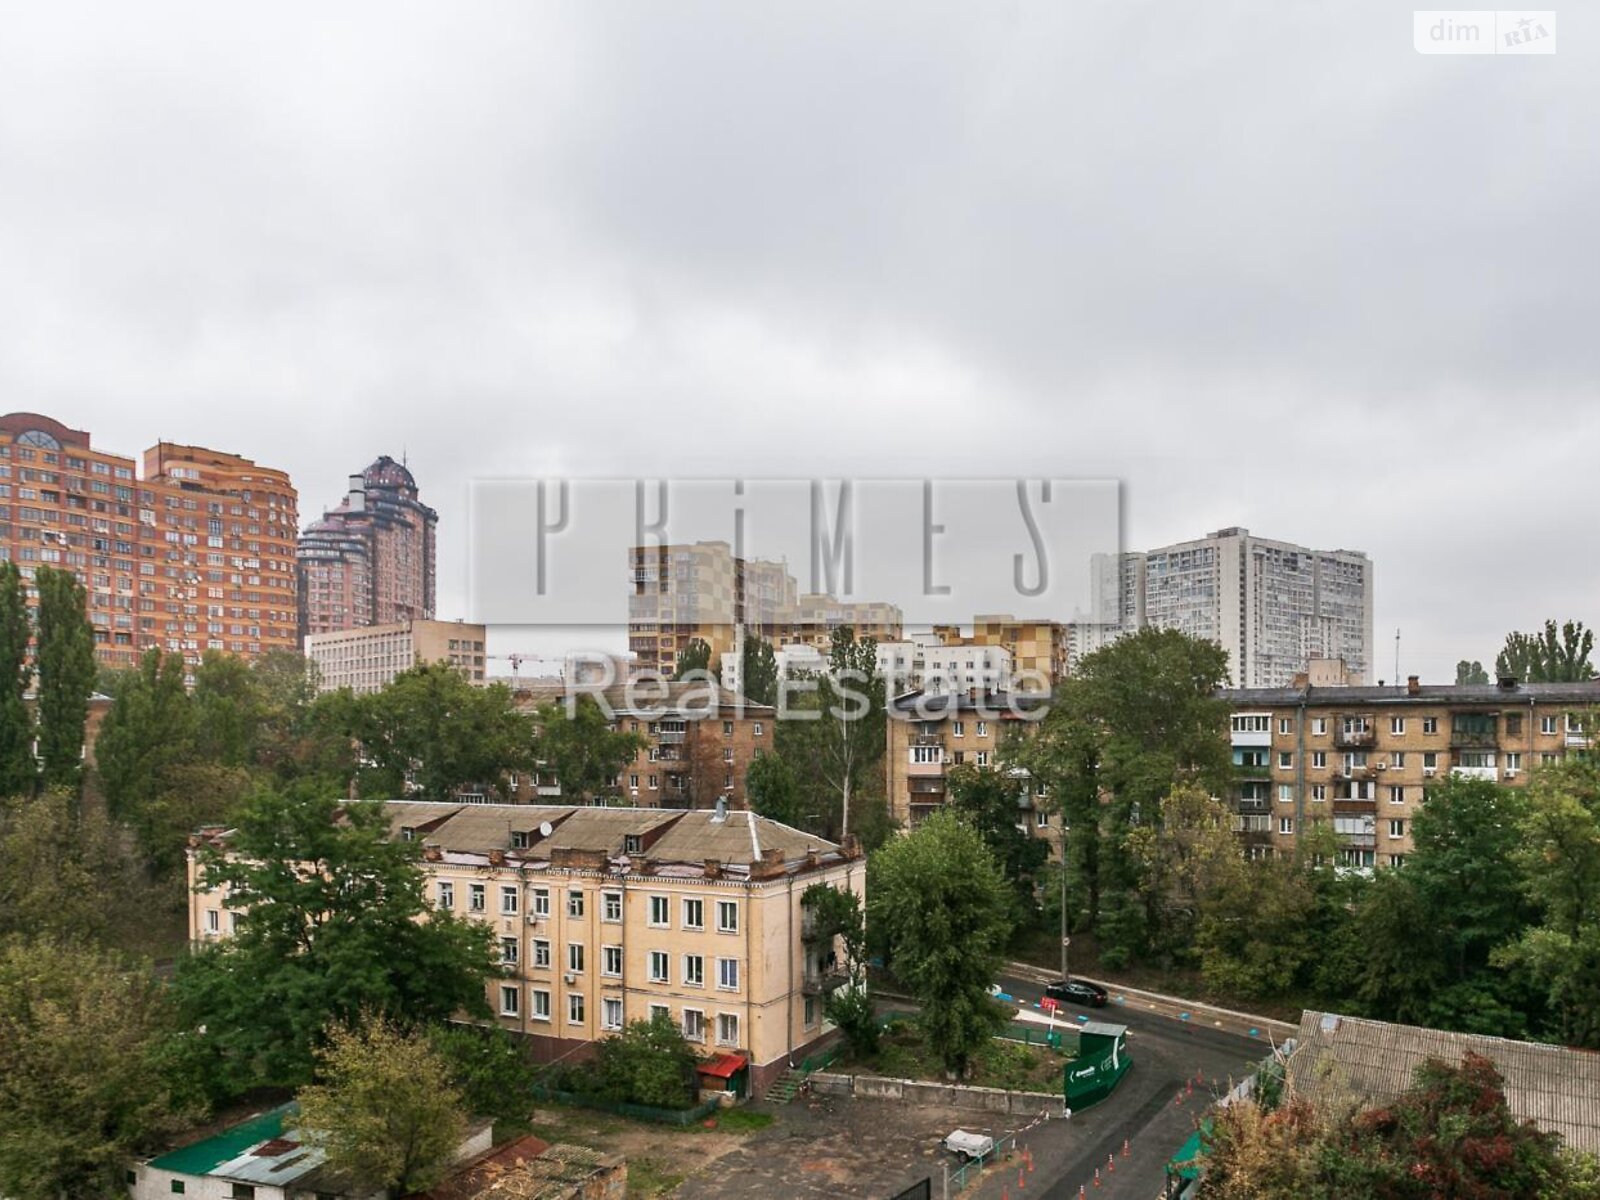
<point x="1064" y="937"/>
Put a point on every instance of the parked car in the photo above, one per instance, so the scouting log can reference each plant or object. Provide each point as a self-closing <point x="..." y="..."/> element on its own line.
<point x="1077" y="991"/>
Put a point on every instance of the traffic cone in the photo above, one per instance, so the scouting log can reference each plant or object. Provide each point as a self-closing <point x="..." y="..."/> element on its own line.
<point x="1005" y="1192"/>
<point x="1083" y="1193"/>
<point x="1022" y="1179"/>
<point x="1124" y="1147"/>
<point x="1188" y="1089"/>
<point x="1097" y="1177"/>
<point x="1029" y="1158"/>
<point x="1111" y="1163"/>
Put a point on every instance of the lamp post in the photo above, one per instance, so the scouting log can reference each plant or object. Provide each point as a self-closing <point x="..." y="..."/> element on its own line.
<point x="1064" y="938"/>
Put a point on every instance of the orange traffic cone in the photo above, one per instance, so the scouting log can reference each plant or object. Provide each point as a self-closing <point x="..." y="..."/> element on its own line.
<point x="1111" y="1163"/>
<point x="1029" y="1158"/>
<point x="1097" y="1177"/>
<point x="1188" y="1089"/>
<point x="1083" y="1193"/>
<point x="1022" y="1180"/>
<point x="1124" y="1147"/>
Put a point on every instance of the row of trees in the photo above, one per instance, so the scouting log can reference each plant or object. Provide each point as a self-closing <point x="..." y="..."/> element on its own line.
<point x="41" y="745"/>
<point x="1550" y="655"/>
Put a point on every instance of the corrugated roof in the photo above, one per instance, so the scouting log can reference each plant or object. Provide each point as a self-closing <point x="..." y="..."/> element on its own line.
<point x="1580" y="695"/>
<point x="236" y="1152"/>
<point x="1555" y="1087"/>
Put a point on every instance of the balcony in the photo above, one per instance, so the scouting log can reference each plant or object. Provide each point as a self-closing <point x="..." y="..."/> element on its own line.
<point x="935" y="767"/>
<point x="1358" y="841"/>
<point x="1490" y="773"/>
<point x="1577" y="739"/>
<point x="819" y="983"/>
<point x="1354" y="739"/>
<point x="1472" y="739"/>
<point x="1252" y="771"/>
<point x="1254" y="806"/>
<point x="670" y="737"/>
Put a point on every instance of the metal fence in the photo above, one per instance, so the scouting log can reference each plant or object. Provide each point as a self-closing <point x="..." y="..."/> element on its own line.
<point x="1005" y="1149"/>
<point x="1034" y="1035"/>
<point x="639" y="1112"/>
<point x="922" y="1190"/>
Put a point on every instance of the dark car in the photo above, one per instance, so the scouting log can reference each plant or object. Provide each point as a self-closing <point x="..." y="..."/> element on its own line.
<point x="1078" y="991"/>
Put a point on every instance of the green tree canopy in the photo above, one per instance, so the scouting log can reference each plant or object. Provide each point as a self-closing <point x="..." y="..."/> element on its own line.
<point x="579" y="745"/>
<point x="1471" y="673"/>
<point x="648" y="1062"/>
<point x="1551" y="655"/>
<point x="18" y="770"/>
<point x="146" y="736"/>
<point x="384" y="1109"/>
<point x="694" y="660"/>
<point x="939" y="901"/>
<point x="987" y="798"/>
<point x="758" y="667"/>
<point x="66" y="670"/>
<point x="837" y="918"/>
<point x="329" y="927"/>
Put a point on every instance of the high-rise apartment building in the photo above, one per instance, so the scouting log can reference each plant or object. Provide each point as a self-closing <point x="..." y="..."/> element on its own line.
<point x="703" y="590"/>
<point x="194" y="555"/>
<point x="1273" y="606"/>
<point x="371" y="560"/>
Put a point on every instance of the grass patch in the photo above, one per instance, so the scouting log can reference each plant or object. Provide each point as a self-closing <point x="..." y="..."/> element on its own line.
<point x="648" y="1178"/>
<point x="904" y="1054"/>
<point x="742" y="1120"/>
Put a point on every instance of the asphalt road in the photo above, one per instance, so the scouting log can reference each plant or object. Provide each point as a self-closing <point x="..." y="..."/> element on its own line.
<point x="1152" y="1111"/>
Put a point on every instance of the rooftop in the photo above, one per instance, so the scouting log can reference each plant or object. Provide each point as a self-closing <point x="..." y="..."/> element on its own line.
<point x="1552" y="1086"/>
<point x="253" y="1151"/>
<point x="645" y="697"/>
<point x="1580" y="694"/>
<point x="526" y="1169"/>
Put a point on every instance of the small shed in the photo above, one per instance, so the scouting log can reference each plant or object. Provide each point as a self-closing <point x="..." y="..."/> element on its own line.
<point x="1101" y="1063"/>
<point x="725" y="1073"/>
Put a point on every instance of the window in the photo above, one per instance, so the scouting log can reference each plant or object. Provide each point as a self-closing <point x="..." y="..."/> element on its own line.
<point x="1514" y="724"/>
<point x="728" y="974"/>
<point x="1430" y="724"/>
<point x="1285" y="824"/>
<point x="663" y="1011"/>
<point x="541" y="953"/>
<point x="633" y="843"/>
<point x="727" y="916"/>
<point x="633" y="782"/>
<point x="658" y="966"/>
<point x="575" y="1009"/>
<point x="1397" y="724"/>
<point x="1397" y="794"/>
<point x="755" y="728"/>
<point x="611" y="907"/>
<point x="1547" y="758"/>
<point x="694" y="970"/>
<point x="510" y="1000"/>
<point x="1513" y="760"/>
<point x="447" y="894"/>
<point x="508" y="951"/>
<point x="574" y="956"/>
<point x="727" y="729"/>
<point x="1285" y="725"/>
<point x="610" y="1013"/>
<point x="958" y="729"/>
<point x="1319" y="759"/>
<point x="1430" y="760"/>
<point x="508" y="901"/>
<point x="213" y="921"/>
<point x="925" y="755"/>
<point x="541" y="1004"/>
<point x="611" y="960"/>
<point x="1397" y="860"/>
<point x="1285" y="760"/>
<point x="1397" y="827"/>
<point x="727" y="1029"/>
<point x="1319" y="726"/>
<point x="810" y="1011"/>
<point x="1397" y="760"/>
<point x="1319" y="792"/>
<point x="177" y="1187"/>
<point x="1041" y="818"/>
<point x="983" y="758"/>
<point x="541" y="902"/>
<point x="1286" y="793"/>
<point x="521" y="839"/>
<point x="694" y="914"/>
<point x="694" y="1025"/>
<point x="659" y="911"/>
<point x="574" y="904"/>
<point x="1547" y="725"/>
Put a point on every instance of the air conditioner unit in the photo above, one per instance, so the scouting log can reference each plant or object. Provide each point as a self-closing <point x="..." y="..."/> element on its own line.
<point x="1383" y="766"/>
<point x="569" y="979"/>
<point x="1511" y="772"/>
<point x="1429" y="772"/>
<point x="534" y="919"/>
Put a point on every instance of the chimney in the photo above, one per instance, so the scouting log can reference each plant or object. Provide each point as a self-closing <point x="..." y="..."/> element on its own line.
<point x="713" y="868"/>
<point x="356" y="498"/>
<point x="497" y="857"/>
<point x="432" y="854"/>
<point x="721" y="813"/>
<point x="1507" y="683"/>
<point x="1413" y="685"/>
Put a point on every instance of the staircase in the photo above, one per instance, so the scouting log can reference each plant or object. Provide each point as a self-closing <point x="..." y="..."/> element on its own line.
<point x="786" y="1086"/>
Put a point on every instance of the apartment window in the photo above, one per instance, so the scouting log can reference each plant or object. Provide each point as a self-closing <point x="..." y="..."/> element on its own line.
<point x="1397" y="760"/>
<point x="655" y="786"/>
<point x="510" y="1000"/>
<point x="1547" y="758"/>
<point x="508" y="901"/>
<point x="755" y="728"/>
<point x="1319" y="726"/>
<point x="575" y="1010"/>
<point x="541" y="902"/>
<point x="727" y="916"/>
<point x="541" y="1004"/>
<point x="659" y="912"/>
<point x="574" y="956"/>
<point x="520" y="839"/>
<point x="1285" y="824"/>
<point x="1319" y="759"/>
<point x="1285" y="725"/>
<point x="727" y="729"/>
<point x="541" y="953"/>
<point x="633" y="782"/>
<point x="611" y="960"/>
<point x="1548" y="725"/>
<point x="694" y="1025"/>
<point x="213" y="921"/>
<point x="658" y="966"/>
<point x="1480" y="760"/>
<point x="611" y="907"/>
<point x="958" y="729"/>
<point x="610" y="1013"/>
<point x="728" y="974"/>
<point x="1430" y="760"/>
<point x="694" y="914"/>
<point x="475" y="897"/>
<point x="1514" y="724"/>
<point x="1397" y="725"/>
<point x="1397" y="794"/>
<point x="926" y="754"/>
<point x="1319" y="792"/>
<point x="810" y="1011"/>
<point x="983" y="729"/>
<point x="1041" y="818"/>
<point x="983" y="758"/>
<point x="727" y="754"/>
<point x="1430" y="724"/>
<point x="508" y="951"/>
<point x="1397" y="827"/>
<point x="1397" y="860"/>
<point x="727" y="1029"/>
<point x="1286" y="793"/>
<point x="446" y="894"/>
<point x="574" y="904"/>
<point x="694" y="970"/>
<point x="1513" y="760"/>
<point x="1285" y="760"/>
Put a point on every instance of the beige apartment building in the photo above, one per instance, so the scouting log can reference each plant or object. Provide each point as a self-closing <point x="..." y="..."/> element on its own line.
<point x="1038" y="648"/>
<point x="367" y="658"/>
<point x="699" y="742"/>
<point x="1363" y="758"/>
<point x="930" y="733"/>
<point x="610" y="915"/>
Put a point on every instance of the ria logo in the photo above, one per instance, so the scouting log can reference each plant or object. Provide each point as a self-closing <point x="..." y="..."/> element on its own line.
<point x="1468" y="31"/>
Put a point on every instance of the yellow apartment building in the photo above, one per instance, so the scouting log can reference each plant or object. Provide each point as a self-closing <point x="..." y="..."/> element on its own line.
<point x="1038" y="648"/>
<point x="605" y="916"/>
<point x="931" y="732"/>
<point x="368" y="657"/>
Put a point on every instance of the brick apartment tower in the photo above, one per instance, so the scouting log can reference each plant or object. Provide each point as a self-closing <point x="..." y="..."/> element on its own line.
<point x="195" y="554"/>
<point x="371" y="560"/>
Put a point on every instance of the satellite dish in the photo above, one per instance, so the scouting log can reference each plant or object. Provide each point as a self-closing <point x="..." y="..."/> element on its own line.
<point x="546" y="829"/>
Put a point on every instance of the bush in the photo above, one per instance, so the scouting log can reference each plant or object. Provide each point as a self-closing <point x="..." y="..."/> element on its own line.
<point x="647" y="1063"/>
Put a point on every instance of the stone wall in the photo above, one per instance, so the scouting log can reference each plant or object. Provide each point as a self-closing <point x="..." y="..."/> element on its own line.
<point x="944" y="1095"/>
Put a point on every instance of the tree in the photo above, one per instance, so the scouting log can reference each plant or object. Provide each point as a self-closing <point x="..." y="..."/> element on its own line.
<point x="227" y="710"/>
<point x="489" y="1067"/>
<point x="1190" y="855"/>
<point x="18" y="770"/>
<point x="650" y="1063"/>
<point x="1471" y="673"/>
<point x="987" y="799"/>
<point x="938" y="900"/>
<point x="775" y="790"/>
<point x="385" y="1109"/>
<point x="694" y="660"/>
<point x="758" y="667"/>
<point x="82" y="1084"/>
<point x="835" y="916"/>
<point x="579" y="746"/>
<point x="434" y="730"/>
<point x="837" y="732"/>
<point x="58" y="869"/>
<point x="330" y="926"/>
<point x="66" y="670"/>
<point x="147" y="734"/>
<point x="1550" y="656"/>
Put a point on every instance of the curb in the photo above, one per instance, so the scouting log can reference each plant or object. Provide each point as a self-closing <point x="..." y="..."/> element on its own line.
<point x="1255" y="1020"/>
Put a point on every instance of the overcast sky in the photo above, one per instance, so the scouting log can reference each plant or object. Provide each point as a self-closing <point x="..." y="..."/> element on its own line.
<point x="1263" y="263"/>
